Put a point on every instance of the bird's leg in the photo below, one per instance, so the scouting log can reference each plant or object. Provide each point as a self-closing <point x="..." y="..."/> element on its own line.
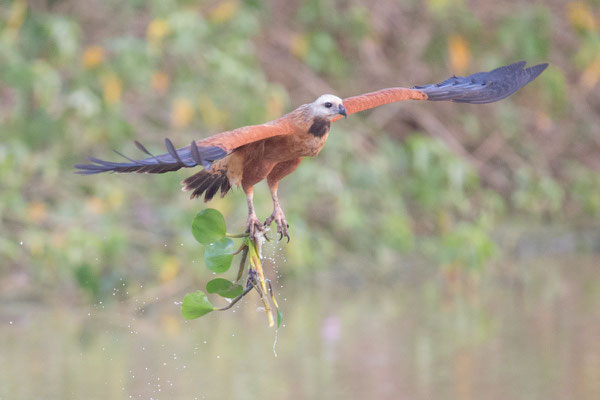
<point x="278" y="216"/>
<point x="253" y="225"/>
<point x="277" y="173"/>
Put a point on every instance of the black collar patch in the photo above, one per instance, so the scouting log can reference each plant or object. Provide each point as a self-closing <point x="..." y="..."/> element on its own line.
<point x="319" y="127"/>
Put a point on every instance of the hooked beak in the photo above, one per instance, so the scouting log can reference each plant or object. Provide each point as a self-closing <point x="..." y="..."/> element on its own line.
<point x="342" y="111"/>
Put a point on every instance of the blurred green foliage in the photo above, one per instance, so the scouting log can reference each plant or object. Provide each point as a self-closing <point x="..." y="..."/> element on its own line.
<point x="78" y="78"/>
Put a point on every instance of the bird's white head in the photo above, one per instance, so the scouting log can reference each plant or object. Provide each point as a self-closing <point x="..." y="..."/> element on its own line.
<point x="328" y="106"/>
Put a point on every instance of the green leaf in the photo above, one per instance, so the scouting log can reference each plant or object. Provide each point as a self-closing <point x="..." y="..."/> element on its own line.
<point x="209" y="226"/>
<point x="88" y="279"/>
<point x="224" y="288"/>
<point x="279" y="317"/>
<point x="218" y="255"/>
<point x="195" y="305"/>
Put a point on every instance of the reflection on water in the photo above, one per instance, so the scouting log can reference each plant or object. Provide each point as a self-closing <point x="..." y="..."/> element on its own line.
<point x="522" y="331"/>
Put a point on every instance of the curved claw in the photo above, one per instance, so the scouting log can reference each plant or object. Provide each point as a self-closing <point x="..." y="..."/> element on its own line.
<point x="254" y="227"/>
<point x="282" y="229"/>
<point x="282" y="225"/>
<point x="283" y="232"/>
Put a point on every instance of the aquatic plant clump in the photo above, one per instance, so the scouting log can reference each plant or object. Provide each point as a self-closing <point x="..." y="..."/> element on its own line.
<point x="209" y="229"/>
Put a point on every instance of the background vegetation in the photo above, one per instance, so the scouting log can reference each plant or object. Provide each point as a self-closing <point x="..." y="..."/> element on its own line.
<point x="442" y="184"/>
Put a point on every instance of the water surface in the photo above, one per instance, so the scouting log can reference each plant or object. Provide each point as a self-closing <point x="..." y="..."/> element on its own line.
<point x="526" y="330"/>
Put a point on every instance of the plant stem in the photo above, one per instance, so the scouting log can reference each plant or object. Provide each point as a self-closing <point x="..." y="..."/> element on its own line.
<point x="267" y="306"/>
<point x="227" y="307"/>
<point x="236" y="235"/>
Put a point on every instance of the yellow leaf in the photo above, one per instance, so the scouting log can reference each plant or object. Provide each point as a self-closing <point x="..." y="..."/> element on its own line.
<point x="112" y="88"/>
<point x="16" y="16"/>
<point x="444" y="222"/>
<point x="160" y="82"/>
<point x="299" y="45"/>
<point x="581" y="16"/>
<point x="115" y="199"/>
<point x="224" y="11"/>
<point x="591" y="74"/>
<point x="211" y="114"/>
<point x="37" y="212"/>
<point x="182" y="112"/>
<point x="169" y="269"/>
<point x="460" y="54"/>
<point x="95" y="205"/>
<point x="157" y="30"/>
<point x="92" y="56"/>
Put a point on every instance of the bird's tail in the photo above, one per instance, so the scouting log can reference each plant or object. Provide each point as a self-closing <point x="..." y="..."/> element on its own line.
<point x="174" y="159"/>
<point x="207" y="182"/>
<point x="483" y="87"/>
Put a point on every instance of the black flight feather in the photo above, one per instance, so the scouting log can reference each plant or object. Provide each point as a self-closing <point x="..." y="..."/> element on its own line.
<point x="195" y="152"/>
<point x="174" y="159"/>
<point x="483" y="87"/>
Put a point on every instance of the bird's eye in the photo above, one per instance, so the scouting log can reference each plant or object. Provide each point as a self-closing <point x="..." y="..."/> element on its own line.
<point x="328" y="105"/>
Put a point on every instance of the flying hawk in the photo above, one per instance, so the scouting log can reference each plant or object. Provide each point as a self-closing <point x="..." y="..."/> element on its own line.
<point x="247" y="155"/>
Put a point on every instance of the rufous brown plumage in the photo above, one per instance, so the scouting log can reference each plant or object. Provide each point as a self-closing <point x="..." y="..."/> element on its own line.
<point x="247" y="155"/>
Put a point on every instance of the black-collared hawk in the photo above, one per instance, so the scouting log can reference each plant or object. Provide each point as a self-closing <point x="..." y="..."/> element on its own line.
<point x="245" y="156"/>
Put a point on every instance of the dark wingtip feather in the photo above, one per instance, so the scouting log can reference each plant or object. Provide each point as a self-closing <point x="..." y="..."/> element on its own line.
<point x="536" y="70"/>
<point x="484" y="87"/>
<point x="174" y="159"/>
<point x="89" y="169"/>
<point x="195" y="152"/>
<point x="172" y="151"/>
<point x="143" y="148"/>
<point x="124" y="156"/>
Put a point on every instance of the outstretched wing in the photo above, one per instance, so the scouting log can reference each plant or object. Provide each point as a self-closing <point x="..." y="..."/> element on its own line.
<point x="203" y="152"/>
<point x="231" y="140"/>
<point x="174" y="159"/>
<point x="479" y="88"/>
<point x="483" y="87"/>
